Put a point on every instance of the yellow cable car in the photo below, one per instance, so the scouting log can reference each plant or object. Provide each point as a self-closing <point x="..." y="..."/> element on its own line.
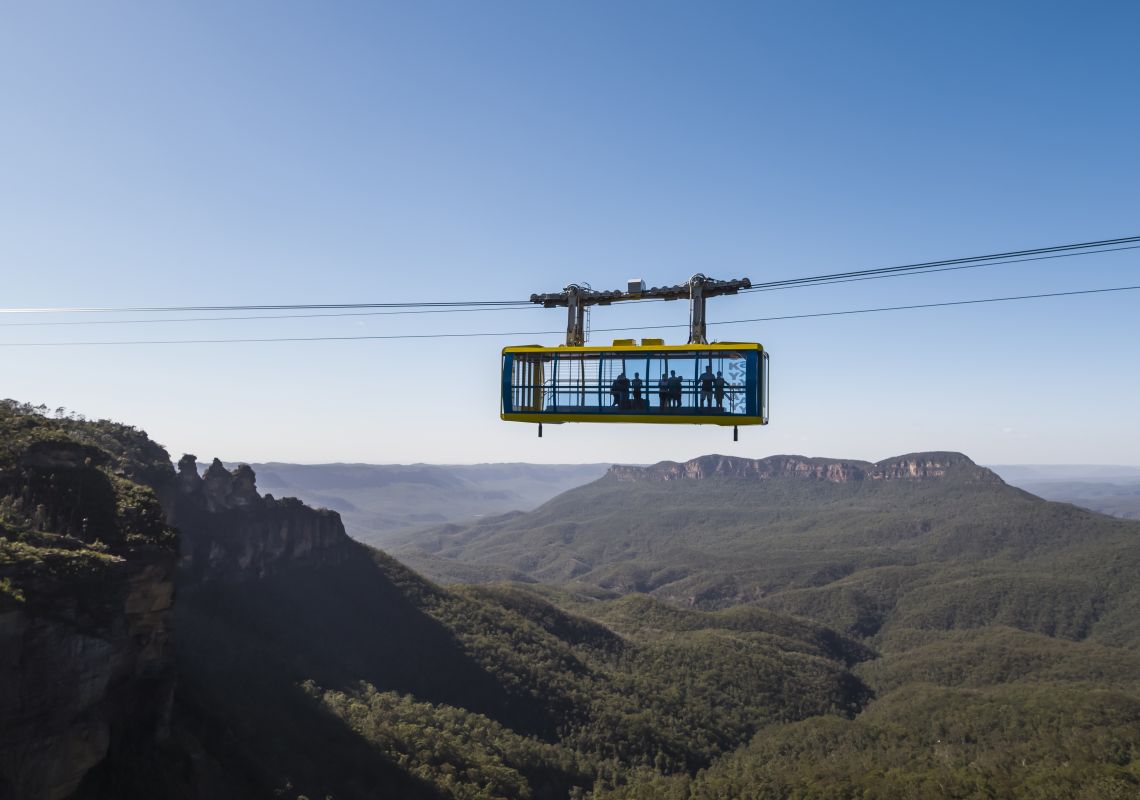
<point x="724" y="383"/>
<point x="691" y="384"/>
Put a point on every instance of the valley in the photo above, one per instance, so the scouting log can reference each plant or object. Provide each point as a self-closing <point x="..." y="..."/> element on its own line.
<point x="716" y="628"/>
<point x="377" y="501"/>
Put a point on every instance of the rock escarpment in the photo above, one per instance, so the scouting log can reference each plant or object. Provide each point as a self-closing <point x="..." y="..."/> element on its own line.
<point x="914" y="466"/>
<point x="87" y="564"/>
<point x="86" y="671"/>
<point x="230" y="532"/>
<point x="89" y="559"/>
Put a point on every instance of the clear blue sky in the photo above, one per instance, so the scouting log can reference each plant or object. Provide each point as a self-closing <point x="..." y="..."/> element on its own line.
<point x="292" y="152"/>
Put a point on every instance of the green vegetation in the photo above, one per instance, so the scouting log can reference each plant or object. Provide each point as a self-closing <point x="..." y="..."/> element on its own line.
<point x="722" y="638"/>
<point x="492" y="683"/>
<point x="957" y="552"/>
<point x="69" y="509"/>
<point x="1000" y="632"/>
<point x="1033" y="742"/>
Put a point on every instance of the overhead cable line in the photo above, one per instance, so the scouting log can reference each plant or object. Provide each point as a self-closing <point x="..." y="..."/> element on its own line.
<point x="993" y="259"/>
<point x="522" y="307"/>
<point x="527" y="307"/>
<point x="1014" y="254"/>
<point x="289" y="307"/>
<point x="943" y="304"/>
<point x="829" y="281"/>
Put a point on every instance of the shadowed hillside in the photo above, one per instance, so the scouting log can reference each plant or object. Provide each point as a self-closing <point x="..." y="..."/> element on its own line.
<point x="310" y="665"/>
<point x="393" y="657"/>
<point x="948" y="636"/>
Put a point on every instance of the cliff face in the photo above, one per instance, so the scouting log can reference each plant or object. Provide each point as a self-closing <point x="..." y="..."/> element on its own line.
<point x="915" y="466"/>
<point x="86" y="670"/>
<point x="230" y="532"/>
<point x="87" y="567"/>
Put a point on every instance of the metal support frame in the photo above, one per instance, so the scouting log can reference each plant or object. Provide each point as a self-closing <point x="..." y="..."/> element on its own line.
<point x="697" y="309"/>
<point x="575" y="320"/>
<point x="698" y="289"/>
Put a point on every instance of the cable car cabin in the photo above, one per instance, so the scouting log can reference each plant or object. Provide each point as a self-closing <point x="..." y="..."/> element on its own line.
<point x="705" y="384"/>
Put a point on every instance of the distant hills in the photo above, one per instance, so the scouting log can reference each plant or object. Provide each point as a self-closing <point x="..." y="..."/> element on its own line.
<point x="1006" y="628"/>
<point x="291" y="661"/>
<point x="718" y="628"/>
<point x="1108" y="489"/>
<point x="926" y="541"/>
<point x="377" y="500"/>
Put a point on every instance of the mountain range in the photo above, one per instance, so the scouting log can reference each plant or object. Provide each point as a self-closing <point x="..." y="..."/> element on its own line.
<point x="379" y="502"/>
<point x="782" y="627"/>
<point x="926" y="539"/>
<point x="1113" y="490"/>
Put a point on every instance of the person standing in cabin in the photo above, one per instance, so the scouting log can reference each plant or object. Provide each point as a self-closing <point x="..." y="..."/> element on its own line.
<point x="675" y="388"/>
<point x="663" y="389"/>
<point x="706" y="381"/>
<point x="636" y="384"/>
<point x="718" y="385"/>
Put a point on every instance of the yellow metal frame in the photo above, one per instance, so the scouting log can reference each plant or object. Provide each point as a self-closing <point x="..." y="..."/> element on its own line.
<point x="663" y="419"/>
<point x="545" y="419"/>
<point x="633" y="348"/>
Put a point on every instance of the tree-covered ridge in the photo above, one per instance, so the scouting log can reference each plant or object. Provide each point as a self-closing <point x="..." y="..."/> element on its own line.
<point x="860" y="555"/>
<point x="726" y="638"/>
<point x="493" y="683"/>
<point x="70" y="507"/>
<point x="1041" y="742"/>
<point x="1004" y="628"/>
<point x="992" y="712"/>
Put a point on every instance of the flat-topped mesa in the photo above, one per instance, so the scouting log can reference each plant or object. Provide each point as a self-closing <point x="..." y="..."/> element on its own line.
<point x="914" y="466"/>
<point x="921" y="466"/>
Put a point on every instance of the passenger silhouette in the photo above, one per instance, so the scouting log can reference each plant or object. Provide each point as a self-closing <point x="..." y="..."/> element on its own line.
<point x="663" y="389"/>
<point x="675" y="388"/>
<point x="718" y="385"/>
<point x="636" y="384"/>
<point x="620" y="389"/>
<point x="706" y="381"/>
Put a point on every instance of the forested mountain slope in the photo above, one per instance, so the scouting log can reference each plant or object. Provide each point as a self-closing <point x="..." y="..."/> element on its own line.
<point x="988" y="642"/>
<point x="927" y="541"/>
<point x="481" y="686"/>
<point x="87" y="565"/>
<point x="1006" y="627"/>
<point x="305" y="664"/>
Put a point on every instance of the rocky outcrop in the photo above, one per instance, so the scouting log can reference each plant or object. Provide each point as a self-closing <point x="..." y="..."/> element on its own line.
<point x="88" y="563"/>
<point x="230" y="532"/>
<point x="914" y="466"/>
<point x="87" y="568"/>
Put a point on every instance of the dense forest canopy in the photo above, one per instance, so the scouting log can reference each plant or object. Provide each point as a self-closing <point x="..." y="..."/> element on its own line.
<point x="709" y="638"/>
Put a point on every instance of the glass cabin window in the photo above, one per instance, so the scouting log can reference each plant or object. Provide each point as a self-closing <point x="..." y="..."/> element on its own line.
<point x="683" y="383"/>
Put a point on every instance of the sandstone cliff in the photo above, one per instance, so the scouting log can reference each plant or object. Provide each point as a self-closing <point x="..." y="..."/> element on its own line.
<point x="232" y="533"/>
<point x="914" y="466"/>
<point x="85" y="671"/>
<point x="87" y="566"/>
